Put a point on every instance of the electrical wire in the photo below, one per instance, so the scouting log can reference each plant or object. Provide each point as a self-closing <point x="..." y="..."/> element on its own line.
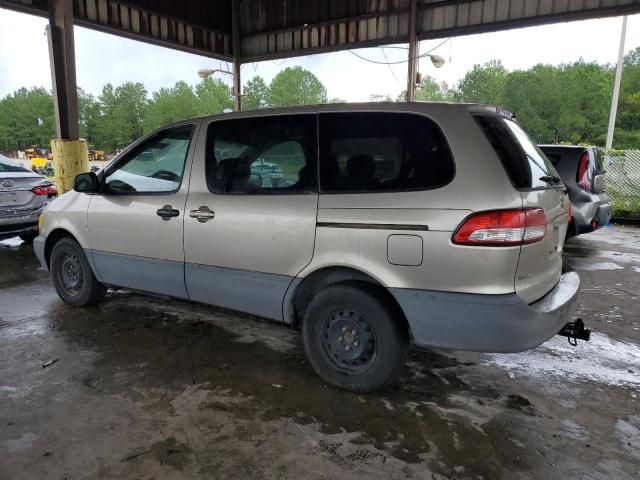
<point x="387" y="60"/>
<point x="426" y="54"/>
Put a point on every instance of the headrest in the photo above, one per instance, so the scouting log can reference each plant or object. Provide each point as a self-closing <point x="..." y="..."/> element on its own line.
<point x="361" y="166"/>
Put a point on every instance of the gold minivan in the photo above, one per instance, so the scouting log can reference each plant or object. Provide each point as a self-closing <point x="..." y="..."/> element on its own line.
<point x="366" y="226"/>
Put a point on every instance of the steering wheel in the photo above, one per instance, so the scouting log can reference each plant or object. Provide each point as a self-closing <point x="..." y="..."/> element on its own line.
<point x="166" y="175"/>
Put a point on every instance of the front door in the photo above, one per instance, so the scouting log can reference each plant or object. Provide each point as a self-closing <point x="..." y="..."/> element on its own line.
<point x="136" y="224"/>
<point x="251" y="212"/>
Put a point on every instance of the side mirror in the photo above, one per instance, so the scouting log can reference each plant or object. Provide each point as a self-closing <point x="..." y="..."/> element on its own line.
<point x="86" y="183"/>
<point x="598" y="184"/>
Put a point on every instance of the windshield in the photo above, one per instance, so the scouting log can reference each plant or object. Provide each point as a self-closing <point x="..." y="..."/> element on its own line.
<point x="526" y="165"/>
<point x="8" y="165"/>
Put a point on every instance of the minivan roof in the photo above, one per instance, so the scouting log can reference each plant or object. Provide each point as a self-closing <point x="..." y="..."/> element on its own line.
<point x="361" y="106"/>
<point x="566" y="147"/>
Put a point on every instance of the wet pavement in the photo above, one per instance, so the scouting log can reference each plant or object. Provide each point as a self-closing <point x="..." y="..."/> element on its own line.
<point x="148" y="387"/>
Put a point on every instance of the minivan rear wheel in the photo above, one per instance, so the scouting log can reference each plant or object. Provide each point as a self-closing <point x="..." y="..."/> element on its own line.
<point x="353" y="337"/>
<point x="72" y="276"/>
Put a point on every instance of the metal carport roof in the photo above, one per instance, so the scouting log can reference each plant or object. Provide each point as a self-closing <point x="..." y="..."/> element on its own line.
<point x="284" y="28"/>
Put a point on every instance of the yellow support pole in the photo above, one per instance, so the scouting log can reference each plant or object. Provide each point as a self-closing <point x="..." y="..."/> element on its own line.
<point x="70" y="157"/>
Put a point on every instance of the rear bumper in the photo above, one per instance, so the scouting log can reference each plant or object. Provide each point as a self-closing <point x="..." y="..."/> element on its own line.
<point x="487" y="323"/>
<point x="8" y="231"/>
<point x="38" y="249"/>
<point x="17" y="221"/>
<point x="585" y="213"/>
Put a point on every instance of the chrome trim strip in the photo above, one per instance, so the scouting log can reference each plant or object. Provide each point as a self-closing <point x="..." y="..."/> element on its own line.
<point x="374" y="226"/>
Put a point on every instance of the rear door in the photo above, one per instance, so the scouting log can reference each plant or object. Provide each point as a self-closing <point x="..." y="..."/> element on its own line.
<point x="531" y="172"/>
<point x="251" y="212"/>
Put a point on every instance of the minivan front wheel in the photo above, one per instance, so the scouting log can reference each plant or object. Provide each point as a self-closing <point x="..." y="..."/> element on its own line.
<point x="72" y="276"/>
<point x="353" y="338"/>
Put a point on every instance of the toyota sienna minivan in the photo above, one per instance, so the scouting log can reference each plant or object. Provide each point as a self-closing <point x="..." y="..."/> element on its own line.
<point x="432" y="223"/>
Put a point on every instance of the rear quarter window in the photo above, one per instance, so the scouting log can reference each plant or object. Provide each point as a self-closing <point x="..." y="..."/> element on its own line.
<point x="368" y="152"/>
<point x="523" y="161"/>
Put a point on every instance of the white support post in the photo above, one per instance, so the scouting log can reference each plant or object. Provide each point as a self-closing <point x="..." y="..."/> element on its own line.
<point x="616" y="86"/>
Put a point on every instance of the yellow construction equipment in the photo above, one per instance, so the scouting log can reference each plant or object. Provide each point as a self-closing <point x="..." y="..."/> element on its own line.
<point x="38" y="156"/>
<point x="95" y="155"/>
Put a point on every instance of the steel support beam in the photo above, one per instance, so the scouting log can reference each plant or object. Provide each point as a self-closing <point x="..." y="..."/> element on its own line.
<point x="413" y="52"/>
<point x="63" y="68"/>
<point x="236" y="48"/>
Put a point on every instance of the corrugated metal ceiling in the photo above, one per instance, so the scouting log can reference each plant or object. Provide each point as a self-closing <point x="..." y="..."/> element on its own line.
<point x="285" y="28"/>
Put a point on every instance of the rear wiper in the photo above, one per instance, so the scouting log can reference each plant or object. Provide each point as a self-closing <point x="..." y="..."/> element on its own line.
<point x="550" y="179"/>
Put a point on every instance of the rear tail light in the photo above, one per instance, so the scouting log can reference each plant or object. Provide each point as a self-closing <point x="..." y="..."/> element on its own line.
<point x="49" y="190"/>
<point x="582" y="177"/>
<point x="502" y="228"/>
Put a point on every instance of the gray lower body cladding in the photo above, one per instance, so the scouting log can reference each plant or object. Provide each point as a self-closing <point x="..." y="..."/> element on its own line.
<point x="487" y="323"/>
<point x="38" y="248"/>
<point x="462" y="321"/>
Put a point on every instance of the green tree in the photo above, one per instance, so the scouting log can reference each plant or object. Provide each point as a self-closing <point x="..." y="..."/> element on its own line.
<point x="296" y="86"/>
<point x="121" y="115"/>
<point x="483" y="84"/>
<point x="88" y="115"/>
<point x="429" y="91"/>
<point x="256" y="94"/>
<point x="585" y="102"/>
<point x="169" y="105"/>
<point x="379" y="97"/>
<point x="627" y="132"/>
<point x="26" y="118"/>
<point x="533" y="96"/>
<point x="213" y="96"/>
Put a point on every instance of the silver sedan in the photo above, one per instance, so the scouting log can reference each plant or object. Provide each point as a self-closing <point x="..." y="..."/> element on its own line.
<point x="23" y="195"/>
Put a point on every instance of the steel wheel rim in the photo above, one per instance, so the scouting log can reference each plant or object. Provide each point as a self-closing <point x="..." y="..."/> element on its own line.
<point x="348" y="341"/>
<point x="71" y="273"/>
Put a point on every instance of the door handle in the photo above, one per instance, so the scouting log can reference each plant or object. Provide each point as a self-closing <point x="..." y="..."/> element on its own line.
<point x="167" y="212"/>
<point x="202" y="214"/>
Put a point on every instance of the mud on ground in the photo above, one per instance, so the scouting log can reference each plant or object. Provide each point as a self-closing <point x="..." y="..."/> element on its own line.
<point x="146" y="387"/>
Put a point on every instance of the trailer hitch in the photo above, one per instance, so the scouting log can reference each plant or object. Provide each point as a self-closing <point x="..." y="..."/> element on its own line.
<point x="575" y="331"/>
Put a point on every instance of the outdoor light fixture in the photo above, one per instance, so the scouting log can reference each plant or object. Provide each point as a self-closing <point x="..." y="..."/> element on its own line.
<point x="207" y="72"/>
<point x="437" y="61"/>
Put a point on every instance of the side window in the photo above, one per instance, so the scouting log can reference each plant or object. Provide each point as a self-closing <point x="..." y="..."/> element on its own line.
<point x="262" y="155"/>
<point x="156" y="166"/>
<point x="382" y="152"/>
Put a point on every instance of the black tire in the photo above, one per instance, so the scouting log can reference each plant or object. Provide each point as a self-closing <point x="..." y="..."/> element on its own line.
<point x="72" y="276"/>
<point x="357" y="316"/>
<point x="28" y="237"/>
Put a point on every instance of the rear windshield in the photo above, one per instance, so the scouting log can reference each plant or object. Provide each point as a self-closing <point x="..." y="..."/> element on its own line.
<point x="524" y="162"/>
<point x="8" y="165"/>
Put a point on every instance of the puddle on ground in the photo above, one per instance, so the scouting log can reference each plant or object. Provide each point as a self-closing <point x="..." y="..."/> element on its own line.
<point x="19" y="264"/>
<point x="590" y="265"/>
<point x="628" y="433"/>
<point x="143" y="348"/>
<point x="601" y="360"/>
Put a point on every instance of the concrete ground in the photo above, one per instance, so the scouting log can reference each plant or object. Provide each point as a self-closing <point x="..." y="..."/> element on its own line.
<point x="146" y="387"/>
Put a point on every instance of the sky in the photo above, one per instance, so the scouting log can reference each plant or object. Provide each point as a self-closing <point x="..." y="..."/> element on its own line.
<point x="102" y="58"/>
